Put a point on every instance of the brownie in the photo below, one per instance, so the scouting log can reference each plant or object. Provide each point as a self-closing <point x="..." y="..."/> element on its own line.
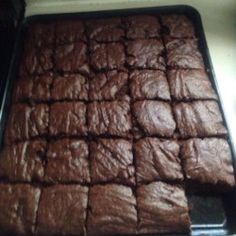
<point x="109" y="85"/>
<point x="109" y="118"/>
<point x="208" y="161"/>
<point x="67" y="119"/>
<point x="26" y="122"/>
<point x="112" y="210"/>
<point x="67" y="161"/>
<point x="62" y="210"/>
<point x="18" y="209"/>
<point x="149" y="84"/>
<point x="71" y="58"/>
<point x="69" y="31"/>
<point x="107" y="56"/>
<point x="33" y="88"/>
<point x="199" y="119"/>
<point x="105" y="30"/>
<point x="70" y="87"/>
<point x="157" y="160"/>
<point x="162" y="208"/>
<point x="112" y="161"/>
<point x="153" y="118"/>
<point x="183" y="53"/>
<point x="142" y="26"/>
<point x="145" y="54"/>
<point x="23" y="161"/>
<point x="189" y="84"/>
<point x="178" y="26"/>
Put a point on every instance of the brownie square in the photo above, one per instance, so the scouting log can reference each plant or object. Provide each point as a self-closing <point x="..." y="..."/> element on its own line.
<point x="149" y="84"/>
<point x="105" y="30"/>
<point x="112" y="161"/>
<point x="67" y="161"/>
<point x="25" y="122"/>
<point x="189" y="84"/>
<point x="23" y="161"/>
<point x="178" y="26"/>
<point x="18" y="209"/>
<point x="62" y="210"/>
<point x="109" y="85"/>
<point x="71" y="58"/>
<point x="67" y="119"/>
<point x="199" y="118"/>
<point x="145" y="54"/>
<point x="107" y="56"/>
<point x="183" y="53"/>
<point x="157" y="160"/>
<point x="112" y="210"/>
<point x="142" y="26"/>
<point x="109" y="118"/>
<point x="208" y="161"/>
<point x="70" y="87"/>
<point x="162" y="208"/>
<point x="152" y="118"/>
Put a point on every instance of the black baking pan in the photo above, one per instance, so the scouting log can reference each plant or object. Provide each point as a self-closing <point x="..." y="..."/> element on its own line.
<point x="213" y="214"/>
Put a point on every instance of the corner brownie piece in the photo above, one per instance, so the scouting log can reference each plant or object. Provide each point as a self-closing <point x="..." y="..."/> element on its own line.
<point x="112" y="161"/>
<point x="109" y="118"/>
<point x="62" y="210"/>
<point x="23" y="161"/>
<point x="145" y="54"/>
<point x="199" y="118"/>
<point x="208" y="161"/>
<point x="149" y="84"/>
<point x="18" y="209"/>
<point x="153" y="118"/>
<point x="190" y="84"/>
<point x="67" y="161"/>
<point x="109" y="86"/>
<point x="142" y="26"/>
<point x="162" y="208"/>
<point x="112" y="210"/>
<point x="70" y="87"/>
<point x="25" y="122"/>
<point x="67" y="119"/>
<point x="157" y="160"/>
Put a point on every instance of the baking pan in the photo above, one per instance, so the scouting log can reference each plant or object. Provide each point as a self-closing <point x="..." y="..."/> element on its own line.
<point x="213" y="214"/>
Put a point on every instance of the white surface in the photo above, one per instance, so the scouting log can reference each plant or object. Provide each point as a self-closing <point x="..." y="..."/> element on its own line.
<point x="219" y="20"/>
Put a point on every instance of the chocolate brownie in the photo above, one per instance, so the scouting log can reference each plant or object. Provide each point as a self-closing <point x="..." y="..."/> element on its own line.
<point x="199" y="118"/>
<point x="149" y="84"/>
<point x="183" y="53"/>
<point x="71" y="58"/>
<point x="190" y="84"/>
<point x="23" y="161"/>
<point x="157" y="160"/>
<point x="178" y="26"/>
<point x="112" y="161"/>
<point x="107" y="56"/>
<point x="145" y="54"/>
<point x="67" y="119"/>
<point x="105" y="30"/>
<point x="142" y="26"/>
<point x="112" y="210"/>
<point x="26" y="122"/>
<point x="208" y="161"/>
<point x="109" y="118"/>
<point x="109" y="85"/>
<point x="67" y="161"/>
<point x="70" y="87"/>
<point x="62" y="210"/>
<point x="153" y="118"/>
<point x="18" y="209"/>
<point x="162" y="208"/>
